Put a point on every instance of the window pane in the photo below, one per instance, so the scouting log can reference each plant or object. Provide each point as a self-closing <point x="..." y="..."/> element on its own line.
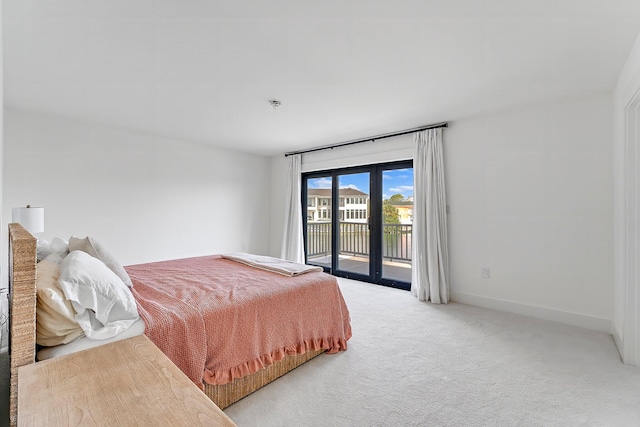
<point x="397" y="223"/>
<point x="354" y="249"/>
<point x="319" y="221"/>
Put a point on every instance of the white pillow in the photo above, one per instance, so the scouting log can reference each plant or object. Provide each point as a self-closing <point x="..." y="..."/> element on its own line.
<point x="60" y="246"/>
<point x="95" y="249"/>
<point x="103" y="303"/>
<point x="55" y="316"/>
<point x="57" y="246"/>
<point x="43" y="249"/>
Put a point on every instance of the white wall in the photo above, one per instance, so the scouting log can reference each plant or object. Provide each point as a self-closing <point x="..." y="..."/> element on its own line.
<point x="279" y="170"/>
<point x="4" y="303"/>
<point x="626" y="321"/>
<point x="530" y="192"/>
<point x="147" y="198"/>
<point x="530" y="197"/>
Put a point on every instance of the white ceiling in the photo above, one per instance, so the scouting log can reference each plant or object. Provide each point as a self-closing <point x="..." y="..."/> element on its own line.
<point x="343" y="69"/>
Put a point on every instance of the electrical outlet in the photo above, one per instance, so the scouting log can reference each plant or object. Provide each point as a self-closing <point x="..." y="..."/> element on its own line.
<point x="486" y="273"/>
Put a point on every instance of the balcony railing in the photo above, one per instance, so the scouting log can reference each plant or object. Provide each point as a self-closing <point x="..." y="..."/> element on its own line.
<point x="318" y="238"/>
<point x="354" y="240"/>
<point x="396" y="240"/>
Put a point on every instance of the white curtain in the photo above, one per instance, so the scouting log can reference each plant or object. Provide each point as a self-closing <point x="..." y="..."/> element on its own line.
<point x="430" y="275"/>
<point x="293" y="242"/>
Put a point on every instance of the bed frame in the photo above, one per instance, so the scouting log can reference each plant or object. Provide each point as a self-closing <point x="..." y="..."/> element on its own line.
<point x="22" y="330"/>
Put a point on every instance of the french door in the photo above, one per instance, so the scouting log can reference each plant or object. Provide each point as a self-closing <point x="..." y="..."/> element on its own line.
<point x="357" y="222"/>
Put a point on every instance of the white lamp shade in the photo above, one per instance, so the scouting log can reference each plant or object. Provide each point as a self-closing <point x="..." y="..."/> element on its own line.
<point x="30" y="218"/>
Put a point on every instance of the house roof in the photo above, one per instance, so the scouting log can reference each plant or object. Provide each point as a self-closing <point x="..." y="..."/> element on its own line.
<point x="326" y="192"/>
<point x="403" y="203"/>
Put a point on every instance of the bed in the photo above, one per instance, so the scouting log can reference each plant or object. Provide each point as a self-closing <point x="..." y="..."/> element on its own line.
<point x="155" y="287"/>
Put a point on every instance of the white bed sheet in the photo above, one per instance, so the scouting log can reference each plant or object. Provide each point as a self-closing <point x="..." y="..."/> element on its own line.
<point x="84" y="343"/>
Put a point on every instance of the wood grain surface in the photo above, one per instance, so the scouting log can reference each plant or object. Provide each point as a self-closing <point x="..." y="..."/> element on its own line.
<point x="130" y="382"/>
<point x="22" y="307"/>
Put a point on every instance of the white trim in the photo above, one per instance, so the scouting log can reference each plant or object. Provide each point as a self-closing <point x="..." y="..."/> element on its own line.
<point x="574" y="319"/>
<point x="626" y="319"/>
<point x="630" y="349"/>
<point x="618" y="341"/>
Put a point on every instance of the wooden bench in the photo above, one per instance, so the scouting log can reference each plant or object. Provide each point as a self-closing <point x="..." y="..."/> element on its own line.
<point x="129" y="382"/>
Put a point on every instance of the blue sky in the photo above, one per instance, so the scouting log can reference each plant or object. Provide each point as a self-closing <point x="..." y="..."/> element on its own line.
<point x="396" y="181"/>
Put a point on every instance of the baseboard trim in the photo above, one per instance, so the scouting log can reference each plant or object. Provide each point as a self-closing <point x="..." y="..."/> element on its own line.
<point x="618" y="341"/>
<point x="567" y="318"/>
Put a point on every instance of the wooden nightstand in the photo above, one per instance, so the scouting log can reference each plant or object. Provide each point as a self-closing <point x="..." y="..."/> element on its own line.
<point x="126" y="383"/>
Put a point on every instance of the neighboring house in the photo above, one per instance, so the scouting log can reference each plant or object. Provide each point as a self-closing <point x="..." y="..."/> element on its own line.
<point x="405" y="210"/>
<point x="353" y="205"/>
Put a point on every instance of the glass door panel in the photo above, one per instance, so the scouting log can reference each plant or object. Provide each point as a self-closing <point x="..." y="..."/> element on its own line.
<point x="358" y="222"/>
<point x="353" y="223"/>
<point x="397" y="223"/>
<point x="319" y="201"/>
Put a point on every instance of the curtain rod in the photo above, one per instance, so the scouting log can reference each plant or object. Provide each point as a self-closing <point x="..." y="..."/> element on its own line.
<point x="369" y="139"/>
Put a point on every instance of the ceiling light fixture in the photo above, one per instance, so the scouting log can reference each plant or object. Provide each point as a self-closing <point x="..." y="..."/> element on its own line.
<point x="275" y="103"/>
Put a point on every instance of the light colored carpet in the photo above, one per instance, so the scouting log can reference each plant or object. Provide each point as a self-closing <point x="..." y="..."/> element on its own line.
<point x="4" y="388"/>
<point x="415" y="364"/>
<point x="5" y="366"/>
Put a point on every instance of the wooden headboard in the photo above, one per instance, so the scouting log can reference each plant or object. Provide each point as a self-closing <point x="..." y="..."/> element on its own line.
<point x="22" y="307"/>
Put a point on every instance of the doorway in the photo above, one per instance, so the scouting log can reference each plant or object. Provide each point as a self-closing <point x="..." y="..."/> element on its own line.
<point x="358" y="222"/>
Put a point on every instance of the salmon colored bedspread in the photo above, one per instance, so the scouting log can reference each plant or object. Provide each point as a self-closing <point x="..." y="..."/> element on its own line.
<point x="218" y="320"/>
